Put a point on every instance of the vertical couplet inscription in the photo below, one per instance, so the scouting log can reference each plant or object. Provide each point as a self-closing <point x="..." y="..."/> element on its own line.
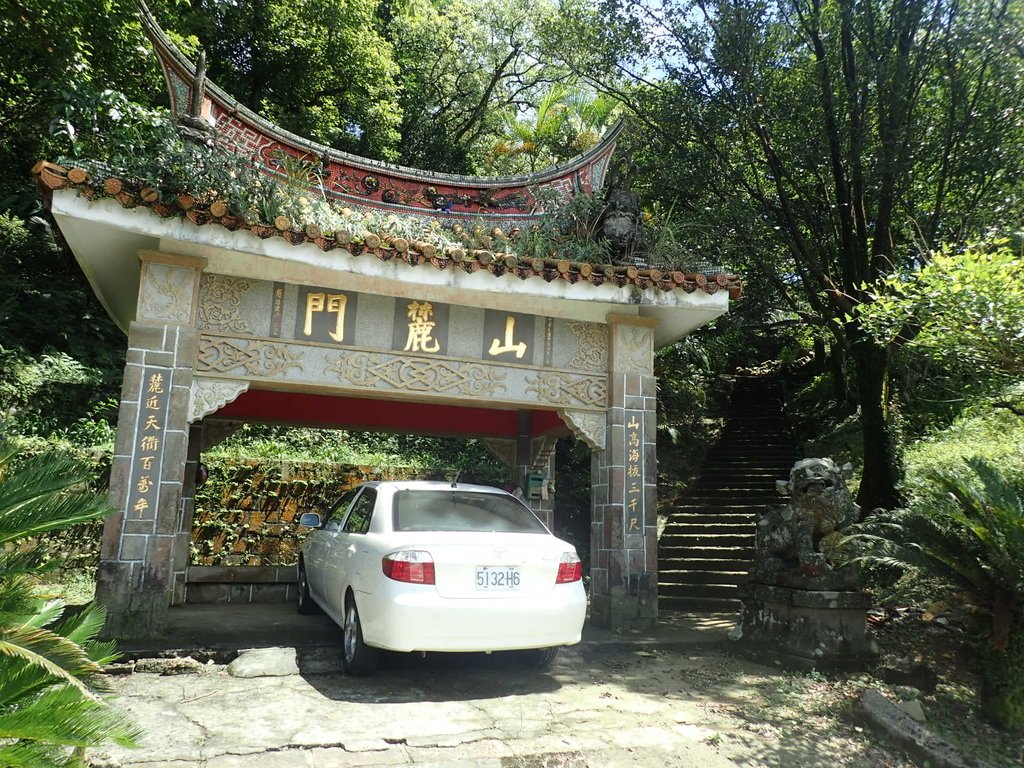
<point x="634" y="453"/>
<point x="147" y="456"/>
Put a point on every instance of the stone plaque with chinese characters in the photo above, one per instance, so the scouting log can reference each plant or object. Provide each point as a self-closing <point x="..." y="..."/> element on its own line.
<point x="634" y="488"/>
<point x="148" y="451"/>
<point x="420" y="327"/>
<point x="325" y="315"/>
<point x="508" y="336"/>
<point x="322" y="336"/>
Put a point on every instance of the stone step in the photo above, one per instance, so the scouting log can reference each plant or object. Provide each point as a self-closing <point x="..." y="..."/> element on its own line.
<point x="699" y="505"/>
<point x="755" y="464"/>
<point x="702" y="577"/>
<point x="714" y="519"/>
<point x="668" y="562"/>
<point x="672" y="539"/>
<point x="686" y="552"/>
<point x="699" y="604"/>
<point x="719" y="591"/>
<point x="684" y="527"/>
<point x="730" y="500"/>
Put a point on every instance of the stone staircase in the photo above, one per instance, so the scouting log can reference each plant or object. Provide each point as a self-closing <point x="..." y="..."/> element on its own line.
<point x="707" y="546"/>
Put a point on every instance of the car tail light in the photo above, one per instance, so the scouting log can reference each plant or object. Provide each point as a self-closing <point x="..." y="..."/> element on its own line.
<point x="411" y="566"/>
<point x="570" y="569"/>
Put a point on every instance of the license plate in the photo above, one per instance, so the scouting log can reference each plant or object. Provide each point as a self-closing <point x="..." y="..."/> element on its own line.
<point x="497" y="578"/>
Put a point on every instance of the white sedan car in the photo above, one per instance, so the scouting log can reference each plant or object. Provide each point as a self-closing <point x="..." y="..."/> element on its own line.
<point x="434" y="566"/>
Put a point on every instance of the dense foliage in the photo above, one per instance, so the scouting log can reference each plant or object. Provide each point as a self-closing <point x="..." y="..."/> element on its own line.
<point x="822" y="145"/>
<point x="50" y="667"/>
<point x="969" y="535"/>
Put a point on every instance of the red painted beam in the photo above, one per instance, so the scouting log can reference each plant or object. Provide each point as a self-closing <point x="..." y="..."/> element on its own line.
<point x="306" y="410"/>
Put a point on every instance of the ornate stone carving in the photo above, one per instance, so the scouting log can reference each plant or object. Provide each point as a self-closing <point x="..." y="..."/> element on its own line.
<point x="565" y="389"/>
<point x="220" y="302"/>
<point x="167" y="293"/>
<point x="634" y="349"/>
<point x="255" y="357"/>
<point x="592" y="353"/>
<point x="798" y="544"/>
<point x="502" y="449"/>
<point x="209" y="395"/>
<point x="364" y="369"/>
<point x="588" y="426"/>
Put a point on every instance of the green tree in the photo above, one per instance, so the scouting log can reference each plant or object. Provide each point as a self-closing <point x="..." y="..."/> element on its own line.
<point x="318" y="68"/>
<point x="50" y="669"/>
<point x="463" y="66"/>
<point x="832" y="143"/>
<point x="969" y="536"/>
<point x="964" y="310"/>
<point x="564" y="122"/>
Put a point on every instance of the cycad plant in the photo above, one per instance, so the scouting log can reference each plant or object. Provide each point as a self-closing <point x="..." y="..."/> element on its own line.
<point x="50" y="669"/>
<point x="972" y="539"/>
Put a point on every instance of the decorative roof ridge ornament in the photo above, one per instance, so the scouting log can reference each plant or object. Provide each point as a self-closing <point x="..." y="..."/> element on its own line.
<point x="192" y="124"/>
<point x="506" y="201"/>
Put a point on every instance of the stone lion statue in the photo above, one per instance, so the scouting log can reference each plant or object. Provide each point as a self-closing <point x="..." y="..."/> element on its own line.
<point x="801" y="539"/>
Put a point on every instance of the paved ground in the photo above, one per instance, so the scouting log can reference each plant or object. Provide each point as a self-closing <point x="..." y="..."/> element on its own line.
<point x="612" y="701"/>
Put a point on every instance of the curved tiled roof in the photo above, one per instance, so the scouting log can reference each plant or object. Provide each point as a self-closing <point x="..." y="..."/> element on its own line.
<point x="360" y="182"/>
<point x="382" y="245"/>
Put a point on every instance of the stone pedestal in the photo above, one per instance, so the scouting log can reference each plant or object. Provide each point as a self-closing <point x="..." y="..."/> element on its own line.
<point x="805" y="628"/>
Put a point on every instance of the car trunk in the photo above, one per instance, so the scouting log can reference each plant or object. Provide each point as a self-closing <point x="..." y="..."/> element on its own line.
<point x="491" y="565"/>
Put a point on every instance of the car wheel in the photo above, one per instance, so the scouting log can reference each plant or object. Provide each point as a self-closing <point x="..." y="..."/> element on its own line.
<point x="358" y="658"/>
<point x="540" y="658"/>
<point x="304" y="603"/>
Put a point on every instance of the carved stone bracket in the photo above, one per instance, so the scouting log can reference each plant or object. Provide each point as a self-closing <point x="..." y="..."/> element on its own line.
<point x="503" y="450"/>
<point x="586" y="425"/>
<point x="209" y="395"/>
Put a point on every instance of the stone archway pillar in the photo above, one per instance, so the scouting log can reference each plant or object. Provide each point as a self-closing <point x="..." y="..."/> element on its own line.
<point x="624" y="521"/>
<point x="143" y="555"/>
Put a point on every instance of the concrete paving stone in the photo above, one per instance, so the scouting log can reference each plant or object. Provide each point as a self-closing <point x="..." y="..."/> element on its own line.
<point x="328" y="757"/>
<point x="264" y="662"/>
<point x="288" y="758"/>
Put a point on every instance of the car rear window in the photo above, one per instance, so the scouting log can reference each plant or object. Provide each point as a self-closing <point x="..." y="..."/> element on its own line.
<point x="463" y="511"/>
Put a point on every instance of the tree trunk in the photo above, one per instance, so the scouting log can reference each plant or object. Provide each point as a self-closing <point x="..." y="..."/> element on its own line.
<point x="879" y="485"/>
<point x="837" y="374"/>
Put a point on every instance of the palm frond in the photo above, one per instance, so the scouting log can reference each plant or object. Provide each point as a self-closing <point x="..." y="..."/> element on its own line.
<point x="972" y="540"/>
<point x="62" y="715"/>
<point x="28" y="754"/>
<point x="65" y="660"/>
<point x="42" y="494"/>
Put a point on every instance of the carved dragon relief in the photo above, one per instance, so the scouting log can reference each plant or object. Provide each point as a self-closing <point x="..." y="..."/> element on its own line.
<point x="209" y="395"/>
<point x="589" y="426"/>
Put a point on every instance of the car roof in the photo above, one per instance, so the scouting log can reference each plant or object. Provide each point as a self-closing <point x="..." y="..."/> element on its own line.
<point x="431" y="485"/>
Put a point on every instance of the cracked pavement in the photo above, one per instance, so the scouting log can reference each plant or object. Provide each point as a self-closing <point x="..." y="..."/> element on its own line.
<point x="594" y="707"/>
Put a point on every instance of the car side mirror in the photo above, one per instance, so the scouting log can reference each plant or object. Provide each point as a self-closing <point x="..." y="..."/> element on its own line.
<point x="310" y="520"/>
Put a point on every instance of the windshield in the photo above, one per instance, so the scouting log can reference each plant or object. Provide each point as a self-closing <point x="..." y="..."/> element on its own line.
<point x="457" y="510"/>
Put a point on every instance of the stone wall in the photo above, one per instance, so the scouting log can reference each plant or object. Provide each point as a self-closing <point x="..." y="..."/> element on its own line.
<point x="247" y="512"/>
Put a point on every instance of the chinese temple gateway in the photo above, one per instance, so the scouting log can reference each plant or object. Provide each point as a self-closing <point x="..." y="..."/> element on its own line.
<point x="230" y="321"/>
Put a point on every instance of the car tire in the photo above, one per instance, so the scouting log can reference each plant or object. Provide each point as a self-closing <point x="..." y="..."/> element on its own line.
<point x="304" y="602"/>
<point x="540" y="658"/>
<point x="357" y="657"/>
